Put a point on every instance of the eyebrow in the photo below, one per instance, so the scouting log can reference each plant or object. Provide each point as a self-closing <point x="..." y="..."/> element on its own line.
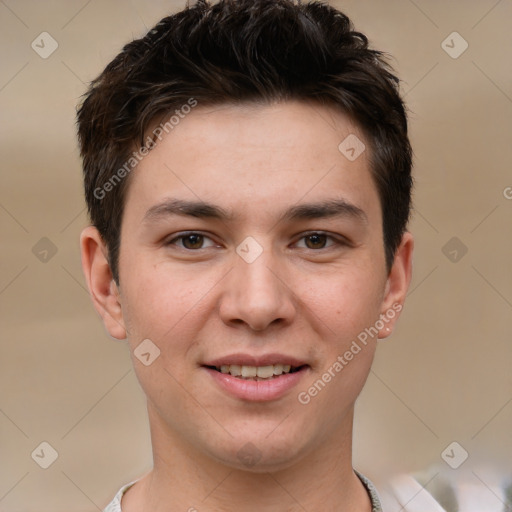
<point x="200" y="209"/>
<point x="325" y="209"/>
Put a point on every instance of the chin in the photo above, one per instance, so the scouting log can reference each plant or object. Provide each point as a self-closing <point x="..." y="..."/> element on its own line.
<point x="261" y="454"/>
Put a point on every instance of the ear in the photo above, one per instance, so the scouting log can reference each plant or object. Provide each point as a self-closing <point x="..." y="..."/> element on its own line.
<point x="397" y="285"/>
<point x="102" y="287"/>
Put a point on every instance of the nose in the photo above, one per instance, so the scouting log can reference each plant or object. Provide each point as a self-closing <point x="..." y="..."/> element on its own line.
<point x="257" y="295"/>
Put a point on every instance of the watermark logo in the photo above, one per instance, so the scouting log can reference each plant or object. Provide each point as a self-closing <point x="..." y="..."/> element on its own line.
<point x="454" y="45"/>
<point x="249" y="250"/>
<point x="454" y="455"/>
<point x="249" y="455"/>
<point x="146" y="352"/>
<point x="44" y="455"/>
<point x="454" y="249"/>
<point x="44" y="250"/>
<point x="44" y="45"/>
<point x="351" y="147"/>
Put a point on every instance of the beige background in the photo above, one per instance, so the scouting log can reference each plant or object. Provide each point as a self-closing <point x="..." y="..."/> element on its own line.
<point x="444" y="376"/>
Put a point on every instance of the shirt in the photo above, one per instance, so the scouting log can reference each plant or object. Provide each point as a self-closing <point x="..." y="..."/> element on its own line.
<point x="115" y="505"/>
<point x="432" y="490"/>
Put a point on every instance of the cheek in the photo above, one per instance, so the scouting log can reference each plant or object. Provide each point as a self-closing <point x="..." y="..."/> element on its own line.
<point x="165" y="310"/>
<point x="346" y="302"/>
<point x="346" y="306"/>
<point x="167" y="305"/>
<point x="153" y="304"/>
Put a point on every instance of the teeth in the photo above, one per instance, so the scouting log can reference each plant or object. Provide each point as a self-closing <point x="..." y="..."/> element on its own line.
<point x="252" y="372"/>
<point x="249" y="371"/>
<point x="278" y="369"/>
<point x="235" y="370"/>
<point x="265" y="372"/>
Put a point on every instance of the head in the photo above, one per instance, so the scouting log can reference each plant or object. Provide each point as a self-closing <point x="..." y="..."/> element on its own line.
<point x="217" y="123"/>
<point x="229" y="53"/>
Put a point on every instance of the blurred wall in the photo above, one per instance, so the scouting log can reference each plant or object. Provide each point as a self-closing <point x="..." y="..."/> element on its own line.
<point x="444" y="376"/>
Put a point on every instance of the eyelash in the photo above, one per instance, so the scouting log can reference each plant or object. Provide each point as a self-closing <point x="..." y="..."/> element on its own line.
<point x="336" y="241"/>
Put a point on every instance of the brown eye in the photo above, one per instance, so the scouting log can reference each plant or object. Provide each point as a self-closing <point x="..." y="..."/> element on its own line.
<point x="315" y="241"/>
<point x="319" y="240"/>
<point x="193" y="241"/>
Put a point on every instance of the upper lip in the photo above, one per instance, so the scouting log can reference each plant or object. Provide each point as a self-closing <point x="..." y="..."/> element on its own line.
<point x="252" y="360"/>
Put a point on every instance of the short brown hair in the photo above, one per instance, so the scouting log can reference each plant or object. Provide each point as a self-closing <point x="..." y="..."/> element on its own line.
<point x="237" y="51"/>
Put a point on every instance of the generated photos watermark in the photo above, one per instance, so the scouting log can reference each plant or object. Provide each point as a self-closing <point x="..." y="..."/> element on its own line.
<point x="151" y="142"/>
<point x="304" y="397"/>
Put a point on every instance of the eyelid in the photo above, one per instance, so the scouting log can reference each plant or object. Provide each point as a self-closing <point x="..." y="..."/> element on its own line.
<point x="338" y="240"/>
<point x="183" y="234"/>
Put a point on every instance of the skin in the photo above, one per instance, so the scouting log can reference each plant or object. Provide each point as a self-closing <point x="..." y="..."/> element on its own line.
<point x="303" y="296"/>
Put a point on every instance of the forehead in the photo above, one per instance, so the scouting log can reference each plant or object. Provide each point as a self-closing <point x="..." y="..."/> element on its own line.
<point x="253" y="159"/>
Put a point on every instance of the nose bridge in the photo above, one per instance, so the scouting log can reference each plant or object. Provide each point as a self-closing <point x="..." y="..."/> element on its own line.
<point x="256" y="294"/>
<point x="259" y="278"/>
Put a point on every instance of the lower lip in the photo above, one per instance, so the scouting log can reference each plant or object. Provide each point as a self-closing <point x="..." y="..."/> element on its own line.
<point x="257" y="390"/>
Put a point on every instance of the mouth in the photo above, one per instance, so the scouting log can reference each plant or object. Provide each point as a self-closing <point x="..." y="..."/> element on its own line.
<point x="257" y="378"/>
<point x="257" y="373"/>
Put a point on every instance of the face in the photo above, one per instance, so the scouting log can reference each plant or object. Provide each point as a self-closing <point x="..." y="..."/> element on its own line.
<point x="252" y="245"/>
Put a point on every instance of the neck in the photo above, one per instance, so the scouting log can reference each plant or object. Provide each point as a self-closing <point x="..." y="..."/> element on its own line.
<point x="184" y="480"/>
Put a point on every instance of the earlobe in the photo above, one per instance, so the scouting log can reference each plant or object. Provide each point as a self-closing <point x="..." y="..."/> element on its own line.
<point x="102" y="287"/>
<point x="397" y="285"/>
